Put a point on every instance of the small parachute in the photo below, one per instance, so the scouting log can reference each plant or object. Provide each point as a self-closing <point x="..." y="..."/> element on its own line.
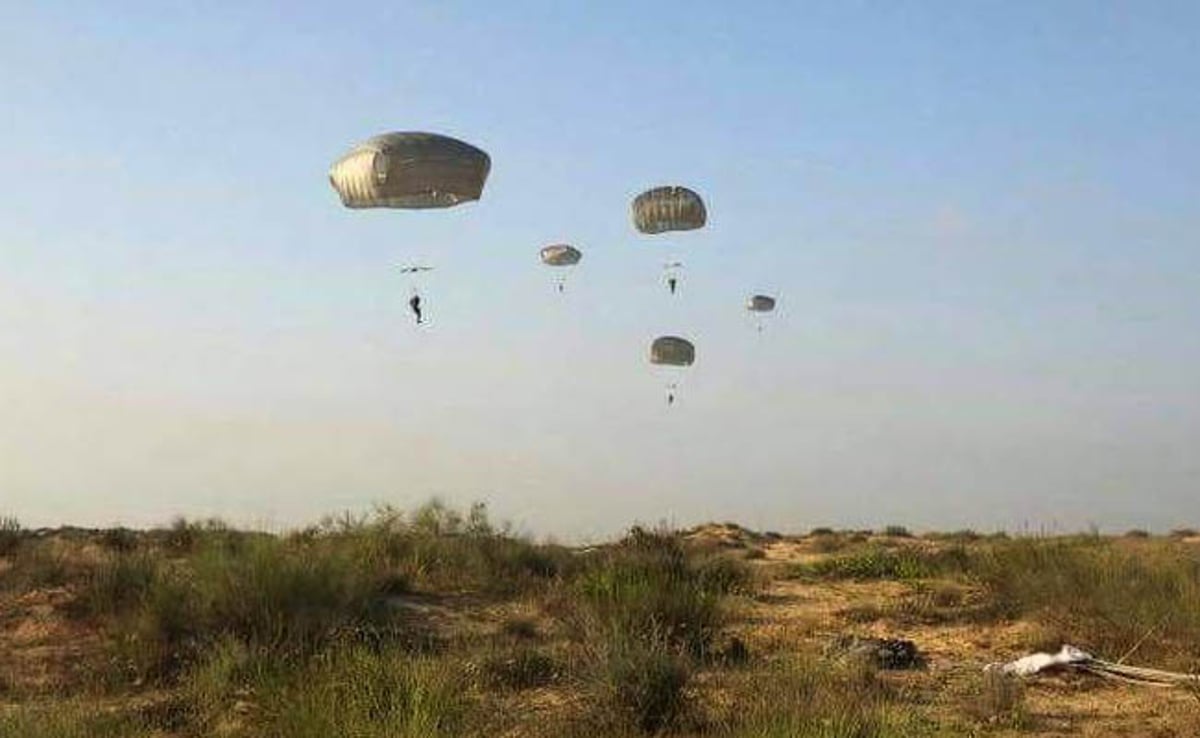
<point x="673" y="353"/>
<point x="410" y="170"/>
<point x="670" y="208"/>
<point x="561" y="255"/>
<point x="761" y="306"/>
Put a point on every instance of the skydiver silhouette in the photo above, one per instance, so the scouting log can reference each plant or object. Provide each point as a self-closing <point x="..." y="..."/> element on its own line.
<point x="670" y="399"/>
<point x="671" y="282"/>
<point x="415" y="303"/>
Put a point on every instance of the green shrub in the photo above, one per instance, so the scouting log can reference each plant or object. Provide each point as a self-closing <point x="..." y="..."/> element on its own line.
<point x="897" y="531"/>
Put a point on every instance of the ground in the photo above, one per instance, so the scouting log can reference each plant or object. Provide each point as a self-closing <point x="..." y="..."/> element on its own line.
<point x="46" y="653"/>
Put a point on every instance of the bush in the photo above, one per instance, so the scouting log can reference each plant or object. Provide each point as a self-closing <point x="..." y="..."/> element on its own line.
<point x="1137" y="533"/>
<point x="897" y="531"/>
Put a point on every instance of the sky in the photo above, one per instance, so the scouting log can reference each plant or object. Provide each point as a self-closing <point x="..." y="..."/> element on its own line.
<point x="981" y="221"/>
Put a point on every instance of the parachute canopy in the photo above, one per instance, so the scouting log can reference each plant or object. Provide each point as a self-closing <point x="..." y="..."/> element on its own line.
<point x="760" y="304"/>
<point x="672" y="351"/>
<point x="410" y="170"/>
<point x="668" y="209"/>
<point x="560" y="254"/>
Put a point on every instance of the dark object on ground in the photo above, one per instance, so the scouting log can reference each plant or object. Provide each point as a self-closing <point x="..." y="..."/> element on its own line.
<point x="885" y="653"/>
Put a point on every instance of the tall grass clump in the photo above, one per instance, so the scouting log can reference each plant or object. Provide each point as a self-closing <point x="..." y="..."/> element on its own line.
<point x="10" y="535"/>
<point x="1107" y="598"/>
<point x="355" y="691"/>
<point x="117" y="584"/>
<point x="68" y="720"/>
<point x="804" y="698"/>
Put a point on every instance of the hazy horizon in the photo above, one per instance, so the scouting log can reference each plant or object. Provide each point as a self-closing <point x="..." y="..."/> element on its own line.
<point x="981" y="223"/>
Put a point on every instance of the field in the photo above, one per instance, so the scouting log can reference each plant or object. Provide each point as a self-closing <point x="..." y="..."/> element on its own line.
<point x="439" y="623"/>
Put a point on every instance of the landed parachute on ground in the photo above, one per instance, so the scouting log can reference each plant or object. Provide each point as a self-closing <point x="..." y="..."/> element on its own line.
<point x="410" y="170"/>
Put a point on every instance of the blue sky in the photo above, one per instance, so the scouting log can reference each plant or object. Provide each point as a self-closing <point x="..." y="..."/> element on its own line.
<point x="980" y="219"/>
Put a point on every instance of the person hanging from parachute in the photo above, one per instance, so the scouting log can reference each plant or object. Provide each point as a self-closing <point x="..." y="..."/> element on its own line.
<point x="672" y="269"/>
<point x="414" y="302"/>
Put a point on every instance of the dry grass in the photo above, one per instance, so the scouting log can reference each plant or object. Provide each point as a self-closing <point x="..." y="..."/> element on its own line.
<point x="439" y="623"/>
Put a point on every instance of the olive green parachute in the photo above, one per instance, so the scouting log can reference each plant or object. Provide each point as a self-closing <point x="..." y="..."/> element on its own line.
<point x="672" y="351"/>
<point x="561" y="255"/>
<point x="761" y="304"/>
<point x="668" y="208"/>
<point x="410" y="170"/>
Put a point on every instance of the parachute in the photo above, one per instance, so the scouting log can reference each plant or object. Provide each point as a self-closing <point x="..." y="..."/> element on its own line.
<point x="674" y="353"/>
<point x="761" y="304"/>
<point x="410" y="170"/>
<point x="669" y="208"/>
<point x="561" y="255"/>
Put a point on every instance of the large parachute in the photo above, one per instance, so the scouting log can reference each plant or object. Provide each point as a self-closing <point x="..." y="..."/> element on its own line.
<point x="410" y="170"/>
<point x="670" y="208"/>
<point x="672" y="351"/>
